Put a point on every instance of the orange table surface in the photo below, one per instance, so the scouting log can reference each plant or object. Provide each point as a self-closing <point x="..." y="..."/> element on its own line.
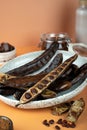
<point x="32" y="119"/>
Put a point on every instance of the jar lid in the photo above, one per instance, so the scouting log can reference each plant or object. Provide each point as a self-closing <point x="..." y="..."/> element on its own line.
<point x="83" y="2"/>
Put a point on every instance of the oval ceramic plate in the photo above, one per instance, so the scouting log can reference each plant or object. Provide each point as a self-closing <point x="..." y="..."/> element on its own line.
<point x="61" y="97"/>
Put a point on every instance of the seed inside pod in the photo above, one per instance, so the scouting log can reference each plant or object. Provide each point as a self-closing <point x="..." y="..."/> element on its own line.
<point x="28" y="95"/>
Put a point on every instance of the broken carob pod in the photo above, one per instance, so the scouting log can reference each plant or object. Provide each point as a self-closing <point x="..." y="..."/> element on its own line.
<point x="61" y="108"/>
<point x="74" y="113"/>
<point x="46" y="94"/>
<point x="35" y="64"/>
<point x="23" y="82"/>
<point x="44" y="83"/>
<point x="55" y="62"/>
<point x="4" y="77"/>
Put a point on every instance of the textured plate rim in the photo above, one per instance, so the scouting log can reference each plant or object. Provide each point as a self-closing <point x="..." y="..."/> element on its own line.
<point x="47" y="102"/>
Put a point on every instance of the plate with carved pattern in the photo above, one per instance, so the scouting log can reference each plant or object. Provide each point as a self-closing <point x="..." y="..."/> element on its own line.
<point x="43" y="103"/>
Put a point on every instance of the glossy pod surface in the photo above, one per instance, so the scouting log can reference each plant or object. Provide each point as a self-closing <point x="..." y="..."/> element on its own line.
<point x="46" y="81"/>
<point x="35" y="64"/>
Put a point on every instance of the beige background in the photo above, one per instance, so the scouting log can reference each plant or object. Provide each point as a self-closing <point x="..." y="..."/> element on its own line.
<point x="22" y="21"/>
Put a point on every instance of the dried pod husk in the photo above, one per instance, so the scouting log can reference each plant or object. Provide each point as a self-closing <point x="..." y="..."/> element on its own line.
<point x="75" y="111"/>
<point x="46" y="94"/>
<point x="61" y="108"/>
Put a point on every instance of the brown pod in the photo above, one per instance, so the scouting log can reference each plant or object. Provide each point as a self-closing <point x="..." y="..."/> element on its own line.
<point x="80" y="76"/>
<point x="35" y="64"/>
<point x="23" y="82"/>
<point x="44" y="83"/>
<point x="55" y="62"/>
<point x="6" y="123"/>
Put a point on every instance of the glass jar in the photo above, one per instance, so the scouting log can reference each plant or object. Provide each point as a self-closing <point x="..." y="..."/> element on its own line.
<point x="81" y="22"/>
<point x="48" y="38"/>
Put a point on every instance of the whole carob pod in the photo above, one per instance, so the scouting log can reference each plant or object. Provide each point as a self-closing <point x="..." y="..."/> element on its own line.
<point x="35" y="64"/>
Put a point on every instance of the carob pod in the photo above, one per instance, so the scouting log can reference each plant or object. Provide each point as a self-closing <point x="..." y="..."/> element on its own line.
<point x="44" y="83"/>
<point x="37" y="63"/>
<point x="61" y="108"/>
<point x="82" y="68"/>
<point x="61" y="86"/>
<point x="55" y="62"/>
<point x="6" y="90"/>
<point x="81" y="75"/>
<point x="74" y="113"/>
<point x="23" y="82"/>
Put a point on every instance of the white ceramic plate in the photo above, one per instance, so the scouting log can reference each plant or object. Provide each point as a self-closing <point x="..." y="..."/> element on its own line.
<point x="62" y="97"/>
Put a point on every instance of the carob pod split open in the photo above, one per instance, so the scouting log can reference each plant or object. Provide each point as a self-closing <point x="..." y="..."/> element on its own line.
<point x="37" y="63"/>
<point x="44" y="83"/>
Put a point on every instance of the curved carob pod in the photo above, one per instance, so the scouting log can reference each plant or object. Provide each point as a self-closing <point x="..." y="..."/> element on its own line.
<point x="44" y="83"/>
<point x="7" y="90"/>
<point x="23" y="82"/>
<point x="29" y="81"/>
<point x="82" y="68"/>
<point x="81" y="75"/>
<point x="37" y="63"/>
<point x="55" y="62"/>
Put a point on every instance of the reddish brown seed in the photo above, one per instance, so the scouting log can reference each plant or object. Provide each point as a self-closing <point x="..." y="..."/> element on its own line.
<point x="55" y="73"/>
<point x="45" y="122"/>
<point x="57" y="127"/>
<point x="72" y="125"/>
<point x="59" y="121"/>
<point x="28" y="95"/>
<point x="51" y="121"/>
<point x="34" y="91"/>
<point x="59" y="69"/>
<point x="45" y="81"/>
<point x="64" y="123"/>
<point x="51" y="77"/>
<point x="40" y="86"/>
